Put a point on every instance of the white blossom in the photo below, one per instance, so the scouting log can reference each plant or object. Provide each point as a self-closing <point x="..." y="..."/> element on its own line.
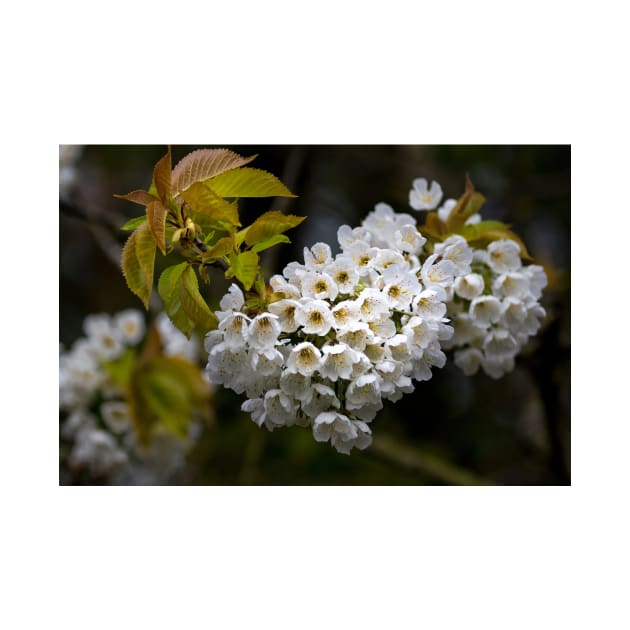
<point x="372" y="304"/>
<point x="456" y="249"/>
<point x="347" y="236"/>
<point x="345" y="314"/>
<point x="504" y="256"/>
<point x="314" y="316"/>
<point x="421" y="197"/>
<point x="296" y="385"/>
<point x="263" y="331"/>
<point x="285" y="310"/>
<point x="469" y="286"/>
<point x="343" y="433"/>
<point x="116" y="416"/>
<point x="338" y="360"/>
<point x="468" y="360"/>
<point x="317" y="256"/>
<point x="322" y="398"/>
<point x="344" y="274"/>
<point x="511" y="284"/>
<point x="319" y="285"/>
<point x="486" y="309"/>
<point x="235" y="328"/>
<point x="437" y="274"/>
<point x="232" y="301"/>
<point x="130" y="326"/>
<point x="305" y="358"/>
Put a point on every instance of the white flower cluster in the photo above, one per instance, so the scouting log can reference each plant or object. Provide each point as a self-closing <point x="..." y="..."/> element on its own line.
<point x="345" y="333"/>
<point x="494" y="307"/>
<point x="98" y="422"/>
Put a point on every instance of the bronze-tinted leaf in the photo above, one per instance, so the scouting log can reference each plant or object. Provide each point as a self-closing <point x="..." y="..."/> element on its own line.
<point x="433" y="228"/>
<point x="141" y="197"/>
<point x="162" y="176"/>
<point x="156" y="215"/>
<point x="467" y="205"/>
<point x="203" y="164"/>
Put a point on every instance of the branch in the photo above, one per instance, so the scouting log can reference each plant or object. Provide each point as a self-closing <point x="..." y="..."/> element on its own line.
<point x="414" y="459"/>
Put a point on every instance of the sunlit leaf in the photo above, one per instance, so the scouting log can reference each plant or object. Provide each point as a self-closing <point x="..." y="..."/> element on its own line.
<point x="245" y="267"/>
<point x="168" y="288"/>
<point x="166" y="391"/>
<point x="138" y="259"/>
<point x="477" y="230"/>
<point x="119" y="370"/>
<point x="221" y="248"/>
<point x="270" y="224"/>
<point x="132" y="224"/>
<point x="248" y="182"/>
<point x="203" y="164"/>
<point x="204" y="201"/>
<point x="193" y="303"/>
<point x="270" y="242"/>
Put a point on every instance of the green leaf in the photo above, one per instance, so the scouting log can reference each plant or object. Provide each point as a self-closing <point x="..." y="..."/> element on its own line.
<point x="156" y="214"/>
<point x="203" y="164"/>
<point x="119" y="370"/>
<point x="166" y="391"/>
<point x="140" y="197"/>
<point x="248" y="182"/>
<point x="205" y="202"/>
<point x="477" y="230"/>
<point x="168" y="288"/>
<point x="193" y="303"/>
<point x="481" y="235"/>
<point x="245" y="267"/>
<point x="132" y="224"/>
<point x="138" y="259"/>
<point x="221" y="248"/>
<point x="270" y="224"/>
<point x="270" y="242"/>
<point x="162" y="176"/>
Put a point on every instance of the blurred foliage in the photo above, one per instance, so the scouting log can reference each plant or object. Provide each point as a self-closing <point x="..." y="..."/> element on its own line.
<point x="512" y="431"/>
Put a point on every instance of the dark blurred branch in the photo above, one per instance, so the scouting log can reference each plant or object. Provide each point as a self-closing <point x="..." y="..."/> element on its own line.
<point x="76" y="211"/>
<point x="414" y="459"/>
<point x="104" y="229"/>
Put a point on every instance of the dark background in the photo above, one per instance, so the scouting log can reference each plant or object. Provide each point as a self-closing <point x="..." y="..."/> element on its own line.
<point x="452" y="429"/>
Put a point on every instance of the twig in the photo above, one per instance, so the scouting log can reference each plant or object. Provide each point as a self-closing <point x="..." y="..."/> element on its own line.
<point x="414" y="459"/>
